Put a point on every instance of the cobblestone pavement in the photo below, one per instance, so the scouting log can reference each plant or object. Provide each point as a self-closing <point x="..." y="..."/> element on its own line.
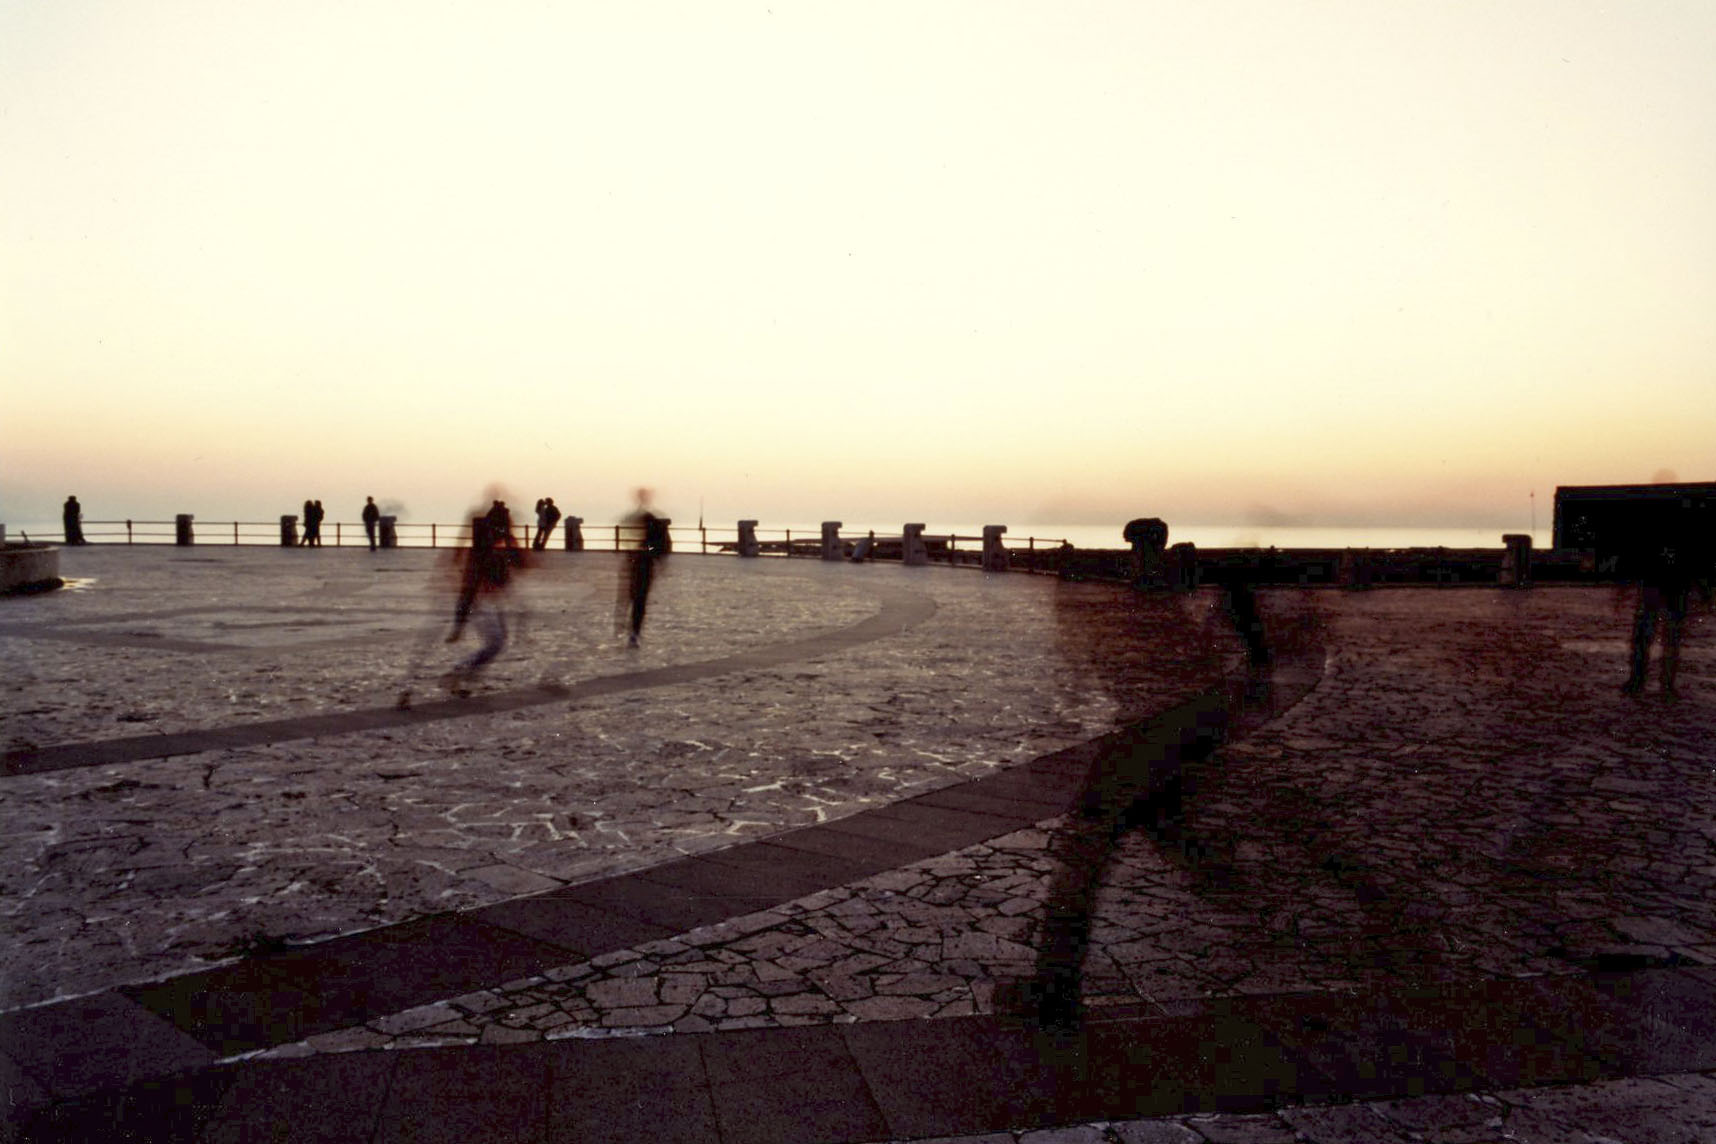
<point x="126" y="872"/>
<point x="1467" y="795"/>
<point x="1671" y="1109"/>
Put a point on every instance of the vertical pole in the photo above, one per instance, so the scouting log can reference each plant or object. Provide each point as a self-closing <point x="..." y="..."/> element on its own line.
<point x="128" y="532"/>
<point x="235" y="533"/>
<point x="431" y="534"/>
<point x="789" y="543"/>
<point x="336" y="534"/>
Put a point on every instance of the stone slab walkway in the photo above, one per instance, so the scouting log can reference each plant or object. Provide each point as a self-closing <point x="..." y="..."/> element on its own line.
<point x="768" y="696"/>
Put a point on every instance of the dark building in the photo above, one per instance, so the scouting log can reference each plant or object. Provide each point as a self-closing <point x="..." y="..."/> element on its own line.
<point x="1621" y="522"/>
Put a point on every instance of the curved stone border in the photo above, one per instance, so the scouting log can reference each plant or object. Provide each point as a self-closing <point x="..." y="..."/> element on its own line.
<point x="901" y="608"/>
<point x="28" y="568"/>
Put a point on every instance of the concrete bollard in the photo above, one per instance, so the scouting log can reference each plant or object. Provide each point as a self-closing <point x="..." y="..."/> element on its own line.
<point x="1355" y="570"/>
<point x="389" y="532"/>
<point x="572" y="533"/>
<point x="831" y="549"/>
<point x="183" y="536"/>
<point x="1148" y="537"/>
<point x="913" y="550"/>
<point x="995" y="558"/>
<point x="748" y="545"/>
<point x="288" y="532"/>
<point x="1180" y="567"/>
<point x="1516" y="561"/>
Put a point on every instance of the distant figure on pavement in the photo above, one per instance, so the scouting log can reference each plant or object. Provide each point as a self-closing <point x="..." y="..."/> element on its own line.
<point x="647" y="542"/>
<point x="547" y="516"/>
<point x="309" y="536"/>
<point x="371" y="519"/>
<point x="320" y="513"/>
<point x="1670" y="562"/>
<point x="72" y="515"/>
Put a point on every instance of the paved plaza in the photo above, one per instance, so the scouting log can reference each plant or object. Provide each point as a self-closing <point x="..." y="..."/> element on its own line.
<point x="779" y="871"/>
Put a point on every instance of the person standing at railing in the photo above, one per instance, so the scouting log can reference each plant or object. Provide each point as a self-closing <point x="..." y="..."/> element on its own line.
<point x="313" y="514"/>
<point x="547" y="516"/>
<point x="72" y="516"/>
<point x="371" y="519"/>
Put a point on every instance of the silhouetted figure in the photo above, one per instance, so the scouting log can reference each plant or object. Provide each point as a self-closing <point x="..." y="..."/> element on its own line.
<point x="72" y="517"/>
<point x="485" y="576"/>
<point x="646" y="540"/>
<point x="547" y="516"/>
<point x="371" y="520"/>
<point x="1669" y="562"/>
<point x="312" y="525"/>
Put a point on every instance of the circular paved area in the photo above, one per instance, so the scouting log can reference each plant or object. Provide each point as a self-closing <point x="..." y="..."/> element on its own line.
<point x="767" y="695"/>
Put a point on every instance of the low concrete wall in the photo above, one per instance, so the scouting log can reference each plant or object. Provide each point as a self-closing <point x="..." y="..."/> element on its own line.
<point x="29" y="568"/>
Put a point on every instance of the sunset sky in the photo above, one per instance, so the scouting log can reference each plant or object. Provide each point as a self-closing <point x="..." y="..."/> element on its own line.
<point x="1338" y="262"/>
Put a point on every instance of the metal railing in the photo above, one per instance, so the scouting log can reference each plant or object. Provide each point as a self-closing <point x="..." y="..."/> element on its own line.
<point x="786" y="543"/>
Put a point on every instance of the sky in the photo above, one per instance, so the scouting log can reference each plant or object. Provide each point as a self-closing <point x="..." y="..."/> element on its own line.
<point x="1324" y="262"/>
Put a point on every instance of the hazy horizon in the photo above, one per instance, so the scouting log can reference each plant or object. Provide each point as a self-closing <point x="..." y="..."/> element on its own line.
<point x="1326" y="263"/>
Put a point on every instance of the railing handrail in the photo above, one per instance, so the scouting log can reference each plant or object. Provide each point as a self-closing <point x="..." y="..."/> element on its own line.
<point x="705" y="538"/>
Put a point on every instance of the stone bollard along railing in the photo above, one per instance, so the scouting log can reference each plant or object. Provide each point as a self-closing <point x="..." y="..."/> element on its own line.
<point x="748" y="545"/>
<point x="1148" y="537"/>
<point x="831" y="546"/>
<point x="288" y="532"/>
<point x="1355" y="568"/>
<point x="183" y="535"/>
<point x="1516" y="561"/>
<point x="388" y="533"/>
<point x="995" y="558"/>
<point x="572" y="533"/>
<point x="1180" y="567"/>
<point x="913" y="550"/>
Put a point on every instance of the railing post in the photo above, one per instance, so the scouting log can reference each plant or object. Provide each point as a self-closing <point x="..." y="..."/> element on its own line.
<point x="432" y="543"/>
<point x="912" y="548"/>
<point x="128" y="532"/>
<point x="748" y="545"/>
<point x="703" y="537"/>
<point x="235" y="534"/>
<point x="336" y="534"/>
<point x="831" y="540"/>
<point x="789" y="543"/>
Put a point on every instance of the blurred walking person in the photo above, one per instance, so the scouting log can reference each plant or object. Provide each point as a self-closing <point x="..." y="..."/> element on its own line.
<point x="486" y="573"/>
<point x="646" y="541"/>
